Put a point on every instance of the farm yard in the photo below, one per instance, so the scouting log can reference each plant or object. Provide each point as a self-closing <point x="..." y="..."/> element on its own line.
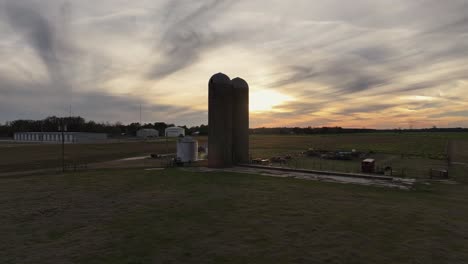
<point x="409" y="155"/>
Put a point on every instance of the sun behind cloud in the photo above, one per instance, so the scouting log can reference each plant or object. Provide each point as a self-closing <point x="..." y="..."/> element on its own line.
<point x="268" y="101"/>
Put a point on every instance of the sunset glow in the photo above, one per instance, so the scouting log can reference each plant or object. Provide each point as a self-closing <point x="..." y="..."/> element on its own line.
<point x="307" y="63"/>
<point x="267" y="101"/>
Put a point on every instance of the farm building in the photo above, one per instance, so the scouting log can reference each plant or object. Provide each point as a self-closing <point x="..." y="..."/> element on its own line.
<point x="56" y="137"/>
<point x="147" y="133"/>
<point x="174" y="132"/>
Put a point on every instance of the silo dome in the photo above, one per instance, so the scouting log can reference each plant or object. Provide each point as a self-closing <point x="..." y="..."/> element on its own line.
<point x="220" y="78"/>
<point x="239" y="83"/>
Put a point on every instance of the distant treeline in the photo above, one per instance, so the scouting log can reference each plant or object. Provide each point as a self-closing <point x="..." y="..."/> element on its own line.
<point x="340" y="130"/>
<point x="79" y="124"/>
<point x="307" y="130"/>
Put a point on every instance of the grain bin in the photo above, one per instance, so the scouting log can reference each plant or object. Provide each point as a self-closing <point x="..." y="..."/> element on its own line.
<point x="187" y="149"/>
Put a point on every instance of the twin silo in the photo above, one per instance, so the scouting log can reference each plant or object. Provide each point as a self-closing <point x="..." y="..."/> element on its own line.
<point x="228" y="119"/>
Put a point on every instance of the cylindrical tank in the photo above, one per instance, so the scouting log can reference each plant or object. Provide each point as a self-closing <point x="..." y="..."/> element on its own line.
<point x="220" y="121"/>
<point x="240" y="121"/>
<point x="187" y="149"/>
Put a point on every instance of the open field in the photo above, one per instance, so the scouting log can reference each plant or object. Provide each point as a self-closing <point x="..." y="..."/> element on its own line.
<point x="427" y="145"/>
<point x="409" y="154"/>
<point x="16" y="157"/>
<point x="174" y="216"/>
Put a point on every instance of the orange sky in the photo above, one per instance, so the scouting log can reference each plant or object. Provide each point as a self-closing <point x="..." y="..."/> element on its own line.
<point x="373" y="64"/>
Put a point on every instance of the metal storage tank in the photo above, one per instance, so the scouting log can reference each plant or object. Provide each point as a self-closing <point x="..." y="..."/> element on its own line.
<point x="220" y="121"/>
<point x="240" y="121"/>
<point x="187" y="149"/>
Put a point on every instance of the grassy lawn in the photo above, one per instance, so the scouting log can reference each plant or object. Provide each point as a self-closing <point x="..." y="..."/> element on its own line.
<point x="39" y="156"/>
<point x="173" y="216"/>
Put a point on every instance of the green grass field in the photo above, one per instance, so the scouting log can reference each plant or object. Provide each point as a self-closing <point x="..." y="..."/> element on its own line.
<point x="427" y="145"/>
<point x="17" y="157"/>
<point x="174" y="216"/>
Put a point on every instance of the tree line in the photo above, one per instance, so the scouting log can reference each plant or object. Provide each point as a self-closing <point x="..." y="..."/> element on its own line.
<point x="79" y="124"/>
<point x="341" y="130"/>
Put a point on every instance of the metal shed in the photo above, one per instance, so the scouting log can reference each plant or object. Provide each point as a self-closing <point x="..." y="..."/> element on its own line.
<point x="174" y="132"/>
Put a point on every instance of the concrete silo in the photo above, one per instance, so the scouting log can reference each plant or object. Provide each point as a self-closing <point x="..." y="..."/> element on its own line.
<point x="240" y="134"/>
<point x="220" y="107"/>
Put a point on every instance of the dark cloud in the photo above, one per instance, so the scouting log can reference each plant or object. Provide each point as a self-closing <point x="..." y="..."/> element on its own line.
<point x="186" y="32"/>
<point x="375" y="54"/>
<point x="298" y="73"/>
<point x="341" y="76"/>
<point x="19" y="101"/>
<point x="25" y="19"/>
<point x="126" y="108"/>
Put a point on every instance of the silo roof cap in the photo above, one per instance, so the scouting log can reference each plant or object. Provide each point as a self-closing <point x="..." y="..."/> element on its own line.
<point x="220" y="78"/>
<point x="239" y="83"/>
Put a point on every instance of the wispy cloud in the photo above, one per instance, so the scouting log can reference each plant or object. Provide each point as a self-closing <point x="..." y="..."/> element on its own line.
<point x="343" y="63"/>
<point x="186" y="31"/>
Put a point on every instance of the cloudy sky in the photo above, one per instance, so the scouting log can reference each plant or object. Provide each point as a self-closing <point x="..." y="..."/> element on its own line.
<point x="360" y="63"/>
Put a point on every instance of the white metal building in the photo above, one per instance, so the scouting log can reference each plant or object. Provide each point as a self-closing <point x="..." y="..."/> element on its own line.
<point x="56" y="137"/>
<point x="147" y="133"/>
<point x="174" y="132"/>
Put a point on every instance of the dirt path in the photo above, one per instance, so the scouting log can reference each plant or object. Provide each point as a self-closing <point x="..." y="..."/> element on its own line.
<point x="398" y="183"/>
<point x="29" y="172"/>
